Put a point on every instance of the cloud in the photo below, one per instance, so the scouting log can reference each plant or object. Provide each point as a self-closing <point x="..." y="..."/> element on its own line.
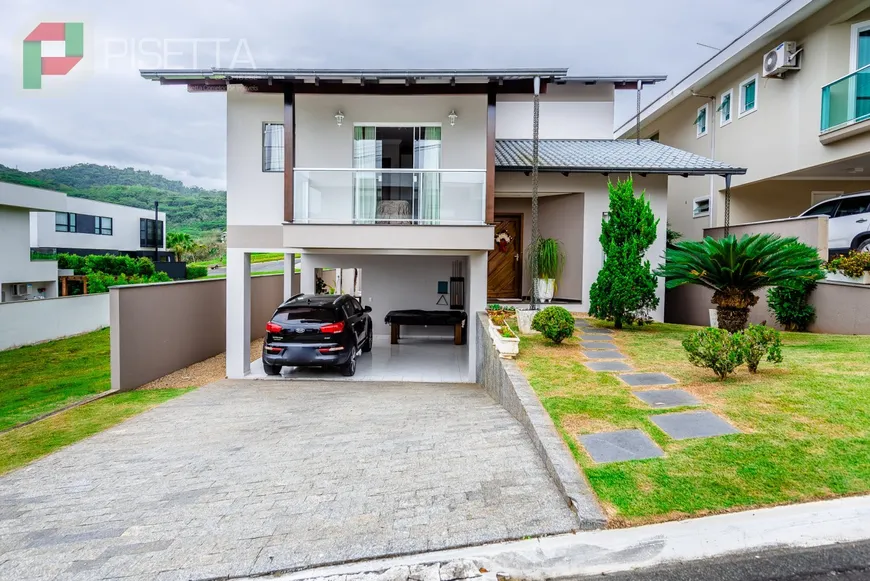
<point x="107" y="114"/>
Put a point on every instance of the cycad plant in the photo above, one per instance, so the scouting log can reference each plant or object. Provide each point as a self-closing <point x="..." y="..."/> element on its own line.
<point x="734" y="269"/>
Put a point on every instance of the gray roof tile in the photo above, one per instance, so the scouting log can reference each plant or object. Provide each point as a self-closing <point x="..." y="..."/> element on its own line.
<point x="606" y="155"/>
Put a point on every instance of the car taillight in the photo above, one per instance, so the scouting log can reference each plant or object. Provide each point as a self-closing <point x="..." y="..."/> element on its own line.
<point x="273" y="327"/>
<point x="333" y="328"/>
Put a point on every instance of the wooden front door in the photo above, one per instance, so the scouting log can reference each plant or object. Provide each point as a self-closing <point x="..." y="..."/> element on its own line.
<point x="506" y="259"/>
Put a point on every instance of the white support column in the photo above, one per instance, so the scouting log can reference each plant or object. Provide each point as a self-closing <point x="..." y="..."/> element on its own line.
<point x="477" y="276"/>
<point x="291" y="281"/>
<point x="307" y="271"/>
<point x="238" y="313"/>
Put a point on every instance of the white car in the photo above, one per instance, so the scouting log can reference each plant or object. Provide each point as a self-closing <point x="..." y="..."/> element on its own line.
<point x="849" y="223"/>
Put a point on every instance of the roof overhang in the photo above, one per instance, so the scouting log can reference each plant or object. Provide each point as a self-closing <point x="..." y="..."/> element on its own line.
<point x="29" y="198"/>
<point x="685" y="172"/>
<point x="753" y="40"/>
<point x="389" y="80"/>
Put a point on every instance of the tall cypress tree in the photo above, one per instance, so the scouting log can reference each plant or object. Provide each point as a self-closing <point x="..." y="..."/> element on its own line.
<point x="625" y="291"/>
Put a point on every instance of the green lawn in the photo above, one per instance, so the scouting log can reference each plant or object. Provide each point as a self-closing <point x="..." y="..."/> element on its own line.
<point x="26" y="444"/>
<point x="38" y="379"/>
<point x="256" y="257"/>
<point x="805" y="424"/>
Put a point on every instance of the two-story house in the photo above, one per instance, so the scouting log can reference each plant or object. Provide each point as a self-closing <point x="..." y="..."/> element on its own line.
<point x="789" y="99"/>
<point x="92" y="227"/>
<point x="417" y="177"/>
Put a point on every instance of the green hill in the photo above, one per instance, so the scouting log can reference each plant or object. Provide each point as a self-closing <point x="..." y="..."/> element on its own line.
<point x="188" y="209"/>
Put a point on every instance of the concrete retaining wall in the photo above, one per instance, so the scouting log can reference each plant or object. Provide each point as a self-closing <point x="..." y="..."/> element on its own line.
<point x="160" y="328"/>
<point x="28" y="322"/>
<point x="506" y="384"/>
<point x="841" y="308"/>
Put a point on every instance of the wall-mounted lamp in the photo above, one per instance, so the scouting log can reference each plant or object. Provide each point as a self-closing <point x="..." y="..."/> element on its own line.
<point x="453" y="117"/>
<point x="339" y="117"/>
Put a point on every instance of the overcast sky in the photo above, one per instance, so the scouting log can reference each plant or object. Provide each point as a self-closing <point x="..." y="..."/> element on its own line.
<point x="103" y="112"/>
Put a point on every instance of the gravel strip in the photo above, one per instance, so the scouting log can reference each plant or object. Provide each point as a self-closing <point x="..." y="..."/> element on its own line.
<point x="202" y="373"/>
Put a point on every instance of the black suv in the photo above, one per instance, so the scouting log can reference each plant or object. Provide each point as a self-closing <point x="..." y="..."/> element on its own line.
<point x="317" y="331"/>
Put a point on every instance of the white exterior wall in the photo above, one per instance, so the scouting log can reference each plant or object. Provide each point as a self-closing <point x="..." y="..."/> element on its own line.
<point x="573" y="111"/>
<point x="596" y="201"/>
<point x="15" y="263"/>
<point x="125" y="227"/>
<point x="28" y="322"/>
<point x="254" y="197"/>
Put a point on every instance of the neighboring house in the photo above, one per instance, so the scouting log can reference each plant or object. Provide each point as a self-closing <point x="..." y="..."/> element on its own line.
<point x="24" y="276"/>
<point x="411" y="175"/>
<point x="90" y="227"/>
<point x="790" y="100"/>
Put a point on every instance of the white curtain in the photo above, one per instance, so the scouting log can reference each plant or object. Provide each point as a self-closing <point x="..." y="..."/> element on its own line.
<point x="427" y="155"/>
<point x="273" y="147"/>
<point x="365" y="191"/>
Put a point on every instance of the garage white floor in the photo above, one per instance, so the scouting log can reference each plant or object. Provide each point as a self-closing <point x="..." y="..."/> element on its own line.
<point x="414" y="359"/>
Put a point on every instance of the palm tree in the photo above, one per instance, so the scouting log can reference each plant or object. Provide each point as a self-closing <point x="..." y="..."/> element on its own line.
<point x="180" y="243"/>
<point x="734" y="269"/>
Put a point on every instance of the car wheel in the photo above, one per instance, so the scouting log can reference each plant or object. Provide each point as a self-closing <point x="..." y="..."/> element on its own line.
<point x="349" y="368"/>
<point x="367" y="346"/>
<point x="864" y="245"/>
<point x="271" y="369"/>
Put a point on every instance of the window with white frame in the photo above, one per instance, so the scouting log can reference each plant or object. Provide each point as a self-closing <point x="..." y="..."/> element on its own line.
<point x="701" y="207"/>
<point x="748" y="92"/>
<point x="701" y="121"/>
<point x="859" y="52"/>
<point x="724" y="109"/>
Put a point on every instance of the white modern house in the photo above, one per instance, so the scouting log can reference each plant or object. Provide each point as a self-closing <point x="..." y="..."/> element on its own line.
<point x="36" y="224"/>
<point x="21" y="277"/>
<point x="91" y="227"/>
<point x="421" y="177"/>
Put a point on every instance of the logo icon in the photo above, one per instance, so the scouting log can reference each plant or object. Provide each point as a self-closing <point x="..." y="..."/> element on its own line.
<point x="36" y="66"/>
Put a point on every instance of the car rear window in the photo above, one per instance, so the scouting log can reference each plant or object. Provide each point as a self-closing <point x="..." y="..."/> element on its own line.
<point x="305" y="314"/>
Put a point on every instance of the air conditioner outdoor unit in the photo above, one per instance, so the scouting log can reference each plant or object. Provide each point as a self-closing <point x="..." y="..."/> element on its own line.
<point x="19" y="290"/>
<point x="781" y="59"/>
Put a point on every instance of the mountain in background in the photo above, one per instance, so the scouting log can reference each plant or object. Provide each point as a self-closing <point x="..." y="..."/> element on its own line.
<point x="188" y="209"/>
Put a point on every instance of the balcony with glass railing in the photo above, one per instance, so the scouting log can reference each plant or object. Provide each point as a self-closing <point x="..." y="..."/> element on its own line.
<point x="426" y="197"/>
<point x="846" y="101"/>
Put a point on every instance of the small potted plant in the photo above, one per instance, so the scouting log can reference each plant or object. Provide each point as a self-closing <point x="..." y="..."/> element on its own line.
<point x="546" y="262"/>
<point x="854" y="268"/>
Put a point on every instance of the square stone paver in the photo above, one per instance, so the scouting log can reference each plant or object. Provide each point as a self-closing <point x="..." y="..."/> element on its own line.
<point x="608" y="366"/>
<point x="604" y="354"/>
<point x="597" y="345"/>
<point x="620" y="446"/>
<point x="596" y="331"/>
<point x="644" y="379"/>
<point x="685" y="425"/>
<point x="667" y="398"/>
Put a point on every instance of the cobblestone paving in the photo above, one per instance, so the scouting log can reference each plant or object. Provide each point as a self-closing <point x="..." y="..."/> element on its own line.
<point x="244" y="477"/>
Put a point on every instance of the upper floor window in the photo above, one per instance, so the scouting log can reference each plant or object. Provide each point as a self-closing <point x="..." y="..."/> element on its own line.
<point x="273" y="147"/>
<point x="103" y="226"/>
<point x="725" y="108"/>
<point x="701" y="207"/>
<point x="748" y="96"/>
<point x="149" y="235"/>
<point x="701" y="121"/>
<point x="859" y="51"/>
<point x="64" y="222"/>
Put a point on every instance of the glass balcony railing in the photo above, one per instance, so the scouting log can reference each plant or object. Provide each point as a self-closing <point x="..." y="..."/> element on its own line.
<point x="43" y="254"/>
<point x="846" y="100"/>
<point x="389" y="196"/>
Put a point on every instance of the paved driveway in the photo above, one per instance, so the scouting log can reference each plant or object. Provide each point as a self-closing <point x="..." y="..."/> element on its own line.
<point x="243" y="477"/>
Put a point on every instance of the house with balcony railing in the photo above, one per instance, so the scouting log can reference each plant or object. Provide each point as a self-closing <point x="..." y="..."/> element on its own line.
<point x="789" y="99"/>
<point x="420" y="182"/>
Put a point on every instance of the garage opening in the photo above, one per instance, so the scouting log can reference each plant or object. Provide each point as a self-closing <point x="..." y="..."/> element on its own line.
<point x="417" y="308"/>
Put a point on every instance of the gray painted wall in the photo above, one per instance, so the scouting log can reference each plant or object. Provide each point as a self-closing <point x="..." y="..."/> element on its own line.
<point x="840" y="308"/>
<point x="156" y="329"/>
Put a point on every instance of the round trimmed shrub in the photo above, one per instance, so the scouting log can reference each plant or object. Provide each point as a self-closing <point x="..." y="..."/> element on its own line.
<point x="554" y="323"/>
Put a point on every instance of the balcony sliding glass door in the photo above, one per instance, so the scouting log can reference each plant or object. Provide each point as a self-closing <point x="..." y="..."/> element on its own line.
<point x="404" y="184"/>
